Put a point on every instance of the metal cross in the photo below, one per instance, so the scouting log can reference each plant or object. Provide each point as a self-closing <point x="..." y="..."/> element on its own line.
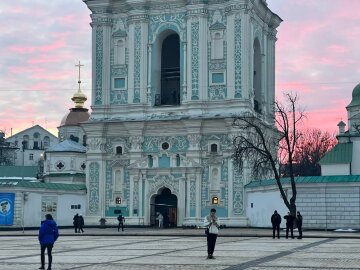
<point x="79" y="81"/>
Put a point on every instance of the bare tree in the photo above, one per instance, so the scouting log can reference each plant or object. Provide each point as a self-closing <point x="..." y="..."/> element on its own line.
<point x="312" y="146"/>
<point x="263" y="145"/>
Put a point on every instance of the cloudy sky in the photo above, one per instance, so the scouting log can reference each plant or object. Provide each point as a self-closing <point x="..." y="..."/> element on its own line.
<point x="318" y="56"/>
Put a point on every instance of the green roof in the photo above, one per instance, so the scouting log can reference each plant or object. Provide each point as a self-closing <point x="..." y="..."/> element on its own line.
<point x="307" y="180"/>
<point x="18" y="171"/>
<point x="40" y="185"/>
<point x="341" y="153"/>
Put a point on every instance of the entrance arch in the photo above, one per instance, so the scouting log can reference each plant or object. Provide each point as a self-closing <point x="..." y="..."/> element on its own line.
<point x="166" y="203"/>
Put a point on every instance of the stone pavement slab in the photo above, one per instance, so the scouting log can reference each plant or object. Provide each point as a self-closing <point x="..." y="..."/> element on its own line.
<point x="182" y="252"/>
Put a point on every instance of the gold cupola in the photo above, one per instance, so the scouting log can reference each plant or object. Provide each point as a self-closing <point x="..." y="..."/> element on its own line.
<point x="79" y="97"/>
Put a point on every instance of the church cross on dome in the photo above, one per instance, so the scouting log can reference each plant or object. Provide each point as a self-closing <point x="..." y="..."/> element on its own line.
<point x="79" y="65"/>
<point x="79" y="98"/>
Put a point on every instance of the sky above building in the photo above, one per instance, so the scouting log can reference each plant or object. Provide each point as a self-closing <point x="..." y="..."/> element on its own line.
<point x="317" y="56"/>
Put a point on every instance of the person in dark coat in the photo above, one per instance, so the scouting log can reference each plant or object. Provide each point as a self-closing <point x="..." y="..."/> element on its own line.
<point x="289" y="225"/>
<point x="299" y="219"/>
<point x="80" y="224"/>
<point x="48" y="234"/>
<point x="275" y="221"/>
<point x="121" y="221"/>
<point x="76" y="222"/>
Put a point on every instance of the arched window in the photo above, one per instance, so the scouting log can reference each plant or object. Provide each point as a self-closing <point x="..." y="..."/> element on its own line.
<point x="46" y="141"/>
<point x="257" y="76"/>
<point x="215" y="179"/>
<point x="213" y="148"/>
<point x="150" y="161"/>
<point x="119" y="150"/>
<point x="84" y="140"/>
<point x="25" y="142"/>
<point x="177" y="160"/>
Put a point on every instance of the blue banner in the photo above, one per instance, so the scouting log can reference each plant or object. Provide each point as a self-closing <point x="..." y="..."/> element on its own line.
<point x="7" y="208"/>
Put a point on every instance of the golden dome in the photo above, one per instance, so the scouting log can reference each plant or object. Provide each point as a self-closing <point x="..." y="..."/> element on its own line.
<point x="79" y="99"/>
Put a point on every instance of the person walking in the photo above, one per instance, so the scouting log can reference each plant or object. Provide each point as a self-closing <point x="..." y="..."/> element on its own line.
<point x="81" y="224"/>
<point x="76" y="222"/>
<point x="289" y="225"/>
<point x="276" y="221"/>
<point x="299" y="219"/>
<point x="121" y="221"/>
<point x="212" y="223"/>
<point x="160" y="219"/>
<point x="48" y="234"/>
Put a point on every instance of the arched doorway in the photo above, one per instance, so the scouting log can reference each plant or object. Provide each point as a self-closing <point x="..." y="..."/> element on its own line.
<point x="170" y="70"/>
<point x="166" y="203"/>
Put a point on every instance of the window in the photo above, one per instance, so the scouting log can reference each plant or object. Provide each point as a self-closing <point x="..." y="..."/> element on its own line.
<point x="119" y="83"/>
<point x="118" y="200"/>
<point x="150" y="161"/>
<point x="46" y="141"/>
<point x="119" y="150"/>
<point x="177" y="160"/>
<point x="215" y="200"/>
<point x="36" y="145"/>
<point x="217" y="78"/>
<point x="165" y="146"/>
<point x="213" y="148"/>
<point x="76" y="206"/>
<point x="31" y="157"/>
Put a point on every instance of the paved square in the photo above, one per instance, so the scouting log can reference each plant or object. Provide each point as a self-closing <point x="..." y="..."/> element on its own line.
<point x="182" y="252"/>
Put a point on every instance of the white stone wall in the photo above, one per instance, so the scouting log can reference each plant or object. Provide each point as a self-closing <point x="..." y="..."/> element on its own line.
<point x="335" y="169"/>
<point x="323" y="206"/>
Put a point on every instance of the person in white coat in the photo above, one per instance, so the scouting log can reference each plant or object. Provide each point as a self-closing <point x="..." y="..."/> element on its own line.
<point x="160" y="219"/>
<point x="211" y="223"/>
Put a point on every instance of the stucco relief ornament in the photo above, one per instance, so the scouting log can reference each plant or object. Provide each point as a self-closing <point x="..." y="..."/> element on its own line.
<point x="136" y="141"/>
<point x="194" y="139"/>
<point x="94" y="143"/>
<point x="141" y="163"/>
<point x="164" y="181"/>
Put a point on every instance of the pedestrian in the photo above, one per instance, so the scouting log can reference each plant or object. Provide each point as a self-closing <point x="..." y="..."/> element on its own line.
<point x="81" y="224"/>
<point x="48" y="234"/>
<point x="299" y="219"/>
<point x="76" y="222"/>
<point x="212" y="223"/>
<point x="275" y="221"/>
<point x="121" y="221"/>
<point x="160" y="219"/>
<point x="289" y="225"/>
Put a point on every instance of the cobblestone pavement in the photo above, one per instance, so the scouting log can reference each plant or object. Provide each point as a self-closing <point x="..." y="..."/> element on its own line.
<point x="182" y="252"/>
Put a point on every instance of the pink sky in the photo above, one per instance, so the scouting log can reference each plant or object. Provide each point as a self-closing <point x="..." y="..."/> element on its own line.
<point x="318" y="56"/>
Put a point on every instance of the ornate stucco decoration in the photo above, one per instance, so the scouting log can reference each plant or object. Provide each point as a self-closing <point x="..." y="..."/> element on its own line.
<point x="160" y="181"/>
<point x="139" y="164"/>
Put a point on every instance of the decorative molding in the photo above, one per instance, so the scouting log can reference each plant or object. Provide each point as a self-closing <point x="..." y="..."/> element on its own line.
<point x="195" y="60"/>
<point x="98" y="65"/>
<point x="137" y="62"/>
<point x="94" y="185"/>
<point x="237" y="58"/>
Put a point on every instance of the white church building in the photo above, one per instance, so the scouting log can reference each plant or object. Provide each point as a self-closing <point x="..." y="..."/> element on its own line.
<point x="168" y="78"/>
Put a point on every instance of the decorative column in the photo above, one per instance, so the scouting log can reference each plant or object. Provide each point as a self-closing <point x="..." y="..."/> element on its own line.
<point x="101" y="38"/>
<point x="138" y="54"/>
<point x="148" y="92"/>
<point x="184" y="85"/>
<point x="203" y="53"/>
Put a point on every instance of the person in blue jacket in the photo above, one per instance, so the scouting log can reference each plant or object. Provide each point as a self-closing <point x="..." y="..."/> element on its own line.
<point x="48" y="234"/>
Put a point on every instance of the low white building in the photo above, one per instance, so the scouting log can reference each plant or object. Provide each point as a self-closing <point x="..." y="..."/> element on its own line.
<point x="26" y="200"/>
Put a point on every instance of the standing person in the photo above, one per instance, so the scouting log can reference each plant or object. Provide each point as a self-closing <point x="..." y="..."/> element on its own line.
<point x="289" y="225"/>
<point x="212" y="223"/>
<point x="275" y="221"/>
<point x="299" y="219"/>
<point x="48" y="234"/>
<point x="76" y="222"/>
<point x="80" y="223"/>
<point x="121" y="220"/>
<point x="160" y="219"/>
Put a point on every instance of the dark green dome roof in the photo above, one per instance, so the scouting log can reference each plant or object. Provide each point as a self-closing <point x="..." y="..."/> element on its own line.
<point x="355" y="96"/>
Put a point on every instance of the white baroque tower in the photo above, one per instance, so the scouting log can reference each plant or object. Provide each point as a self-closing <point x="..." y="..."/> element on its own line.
<point x="168" y="78"/>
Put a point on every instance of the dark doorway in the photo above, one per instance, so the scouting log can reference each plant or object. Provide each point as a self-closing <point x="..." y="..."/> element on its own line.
<point x="170" y="70"/>
<point x="166" y="204"/>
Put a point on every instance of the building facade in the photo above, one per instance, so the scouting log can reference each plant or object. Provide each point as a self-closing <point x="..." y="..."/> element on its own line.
<point x="168" y="80"/>
<point x="31" y="144"/>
